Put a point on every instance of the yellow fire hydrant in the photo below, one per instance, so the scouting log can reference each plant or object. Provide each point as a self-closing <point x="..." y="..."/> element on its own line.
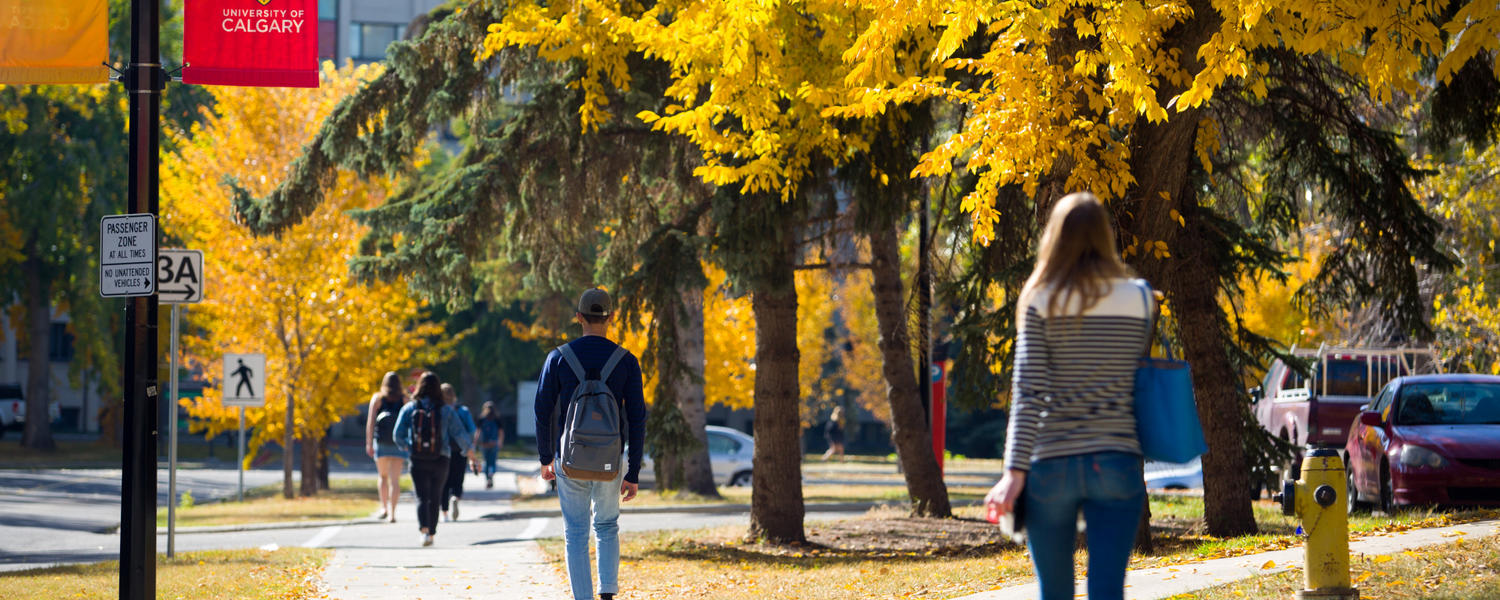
<point x="1318" y="500"/>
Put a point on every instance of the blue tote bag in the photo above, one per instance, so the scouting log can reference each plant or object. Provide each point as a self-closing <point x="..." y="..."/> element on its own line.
<point x="1166" y="415"/>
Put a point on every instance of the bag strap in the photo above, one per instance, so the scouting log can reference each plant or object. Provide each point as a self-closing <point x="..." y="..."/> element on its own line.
<point x="1145" y="289"/>
<point x="572" y="360"/>
<point x="1153" y="332"/>
<point x="609" y="366"/>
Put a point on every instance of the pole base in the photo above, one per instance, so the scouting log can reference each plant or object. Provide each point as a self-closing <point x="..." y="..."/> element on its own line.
<point x="1329" y="594"/>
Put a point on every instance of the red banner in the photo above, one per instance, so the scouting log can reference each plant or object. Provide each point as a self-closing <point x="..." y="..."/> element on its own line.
<point x="261" y="43"/>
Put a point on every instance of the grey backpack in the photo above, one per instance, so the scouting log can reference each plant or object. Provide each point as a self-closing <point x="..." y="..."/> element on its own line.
<point x="590" y="448"/>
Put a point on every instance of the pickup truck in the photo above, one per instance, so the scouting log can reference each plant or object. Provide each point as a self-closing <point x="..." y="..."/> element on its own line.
<point x="12" y="408"/>
<point x="1317" y="410"/>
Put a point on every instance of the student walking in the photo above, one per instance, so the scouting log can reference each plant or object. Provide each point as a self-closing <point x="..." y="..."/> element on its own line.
<point x="834" y="433"/>
<point x="1082" y="323"/>
<point x="459" y="458"/>
<point x="491" y="438"/>
<point x="380" y="442"/>
<point x="596" y="373"/>
<point x="424" y="428"/>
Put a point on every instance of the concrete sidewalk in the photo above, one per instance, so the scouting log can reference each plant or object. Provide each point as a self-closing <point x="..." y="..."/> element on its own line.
<point x="511" y="570"/>
<point x="454" y="567"/>
<point x="1165" y="582"/>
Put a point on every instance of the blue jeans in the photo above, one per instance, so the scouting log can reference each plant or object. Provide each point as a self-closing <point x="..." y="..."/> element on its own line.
<point x="580" y="501"/>
<point x="490" y="455"/>
<point x="1110" y="489"/>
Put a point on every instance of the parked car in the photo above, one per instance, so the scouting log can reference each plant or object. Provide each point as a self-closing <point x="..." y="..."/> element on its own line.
<point x="1316" y="410"/>
<point x="12" y="408"/>
<point x="730" y="452"/>
<point x="1427" y="439"/>
<point x="1175" y="476"/>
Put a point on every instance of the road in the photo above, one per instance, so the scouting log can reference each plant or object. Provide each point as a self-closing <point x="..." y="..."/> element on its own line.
<point x="68" y="516"/>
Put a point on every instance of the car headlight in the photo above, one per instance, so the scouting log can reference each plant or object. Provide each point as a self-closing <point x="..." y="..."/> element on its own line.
<point x="1417" y="456"/>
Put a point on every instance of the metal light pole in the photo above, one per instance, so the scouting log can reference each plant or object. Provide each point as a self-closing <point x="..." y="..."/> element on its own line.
<point x="144" y="79"/>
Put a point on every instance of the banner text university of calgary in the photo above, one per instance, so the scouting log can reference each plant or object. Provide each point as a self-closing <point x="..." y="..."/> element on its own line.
<point x="258" y="20"/>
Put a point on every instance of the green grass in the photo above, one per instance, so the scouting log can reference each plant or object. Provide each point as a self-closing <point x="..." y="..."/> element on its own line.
<point x="285" y="574"/>
<point x="1462" y="570"/>
<point x="718" y="563"/>
<point x="1179" y="518"/>
<point x="348" y="499"/>
<point x="95" y="454"/>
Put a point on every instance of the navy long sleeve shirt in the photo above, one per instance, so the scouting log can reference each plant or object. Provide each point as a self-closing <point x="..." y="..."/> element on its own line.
<point x="558" y="382"/>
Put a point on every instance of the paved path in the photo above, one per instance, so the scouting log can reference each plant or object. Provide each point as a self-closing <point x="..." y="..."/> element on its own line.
<point x="468" y="560"/>
<point x="1165" y="582"/>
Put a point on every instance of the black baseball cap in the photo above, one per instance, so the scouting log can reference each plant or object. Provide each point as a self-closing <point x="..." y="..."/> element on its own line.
<point x="594" y="303"/>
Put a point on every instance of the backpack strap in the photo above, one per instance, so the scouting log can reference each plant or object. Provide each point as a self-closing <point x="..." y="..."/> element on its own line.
<point x="572" y="360"/>
<point x="609" y="366"/>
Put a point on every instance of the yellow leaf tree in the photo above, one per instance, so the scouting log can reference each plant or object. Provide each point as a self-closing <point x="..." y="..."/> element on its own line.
<point x="1053" y="96"/>
<point x="327" y="339"/>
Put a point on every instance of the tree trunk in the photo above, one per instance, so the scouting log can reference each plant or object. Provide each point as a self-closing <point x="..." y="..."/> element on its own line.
<point x="776" y="508"/>
<point x="1162" y="156"/>
<point x="909" y="428"/>
<point x="1227" y="509"/>
<point x="323" y="461"/>
<point x="471" y="389"/>
<point x="38" y="431"/>
<point x="697" y="470"/>
<point x="1143" y="541"/>
<point x="288" y="447"/>
<point x="311" y="448"/>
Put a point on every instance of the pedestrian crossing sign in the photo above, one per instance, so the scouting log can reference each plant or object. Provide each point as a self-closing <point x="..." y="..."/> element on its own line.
<point x="244" y="381"/>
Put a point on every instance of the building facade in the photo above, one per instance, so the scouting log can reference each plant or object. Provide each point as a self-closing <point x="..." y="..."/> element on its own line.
<point x="360" y="30"/>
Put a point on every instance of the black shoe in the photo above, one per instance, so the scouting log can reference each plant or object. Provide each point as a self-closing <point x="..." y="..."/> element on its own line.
<point x="606" y="597"/>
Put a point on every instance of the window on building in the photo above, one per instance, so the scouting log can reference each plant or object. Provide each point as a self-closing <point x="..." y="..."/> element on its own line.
<point x="368" y="41"/>
<point x="328" y="29"/>
<point x="60" y="343"/>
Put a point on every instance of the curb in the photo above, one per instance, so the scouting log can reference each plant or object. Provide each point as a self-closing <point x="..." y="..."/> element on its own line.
<point x="266" y="526"/>
<point x="695" y="509"/>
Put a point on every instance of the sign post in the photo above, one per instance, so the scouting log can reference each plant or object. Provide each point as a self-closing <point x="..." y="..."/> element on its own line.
<point x="245" y="376"/>
<point x="179" y="281"/>
<point x="144" y="79"/>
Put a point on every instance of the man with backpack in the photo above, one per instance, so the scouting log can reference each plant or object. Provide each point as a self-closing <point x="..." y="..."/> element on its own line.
<point x="589" y="408"/>
<point x="424" y="428"/>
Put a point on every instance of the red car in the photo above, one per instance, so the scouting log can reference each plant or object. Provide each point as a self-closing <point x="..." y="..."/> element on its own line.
<point x="1427" y="439"/>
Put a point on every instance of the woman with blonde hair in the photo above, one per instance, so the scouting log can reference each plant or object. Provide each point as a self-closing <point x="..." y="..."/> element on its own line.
<point x="380" y="442"/>
<point x="1082" y="323"/>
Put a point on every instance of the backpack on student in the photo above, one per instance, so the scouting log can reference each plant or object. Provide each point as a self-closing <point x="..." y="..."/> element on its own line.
<point x="591" y="447"/>
<point x="426" y="428"/>
<point x="385" y="423"/>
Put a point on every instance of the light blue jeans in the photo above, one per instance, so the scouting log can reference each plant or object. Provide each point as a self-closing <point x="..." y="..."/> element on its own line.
<point x="1110" y="489"/>
<point x="584" y="502"/>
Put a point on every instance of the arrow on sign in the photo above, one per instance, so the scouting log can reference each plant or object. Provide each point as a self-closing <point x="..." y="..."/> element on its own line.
<point x="186" y="292"/>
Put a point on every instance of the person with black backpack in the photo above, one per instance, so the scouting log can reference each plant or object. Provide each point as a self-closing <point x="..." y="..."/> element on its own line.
<point x="380" y="442"/>
<point x="589" y="408"/>
<point x="424" y="429"/>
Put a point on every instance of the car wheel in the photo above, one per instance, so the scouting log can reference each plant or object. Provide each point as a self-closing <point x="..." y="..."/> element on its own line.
<point x="1352" y="494"/>
<point x="1387" y="491"/>
<point x="741" y="478"/>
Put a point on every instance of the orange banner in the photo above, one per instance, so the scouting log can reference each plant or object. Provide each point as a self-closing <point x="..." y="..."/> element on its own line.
<point x="54" y="41"/>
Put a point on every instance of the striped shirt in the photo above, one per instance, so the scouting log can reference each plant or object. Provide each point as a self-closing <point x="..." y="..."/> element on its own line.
<point x="1074" y="377"/>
